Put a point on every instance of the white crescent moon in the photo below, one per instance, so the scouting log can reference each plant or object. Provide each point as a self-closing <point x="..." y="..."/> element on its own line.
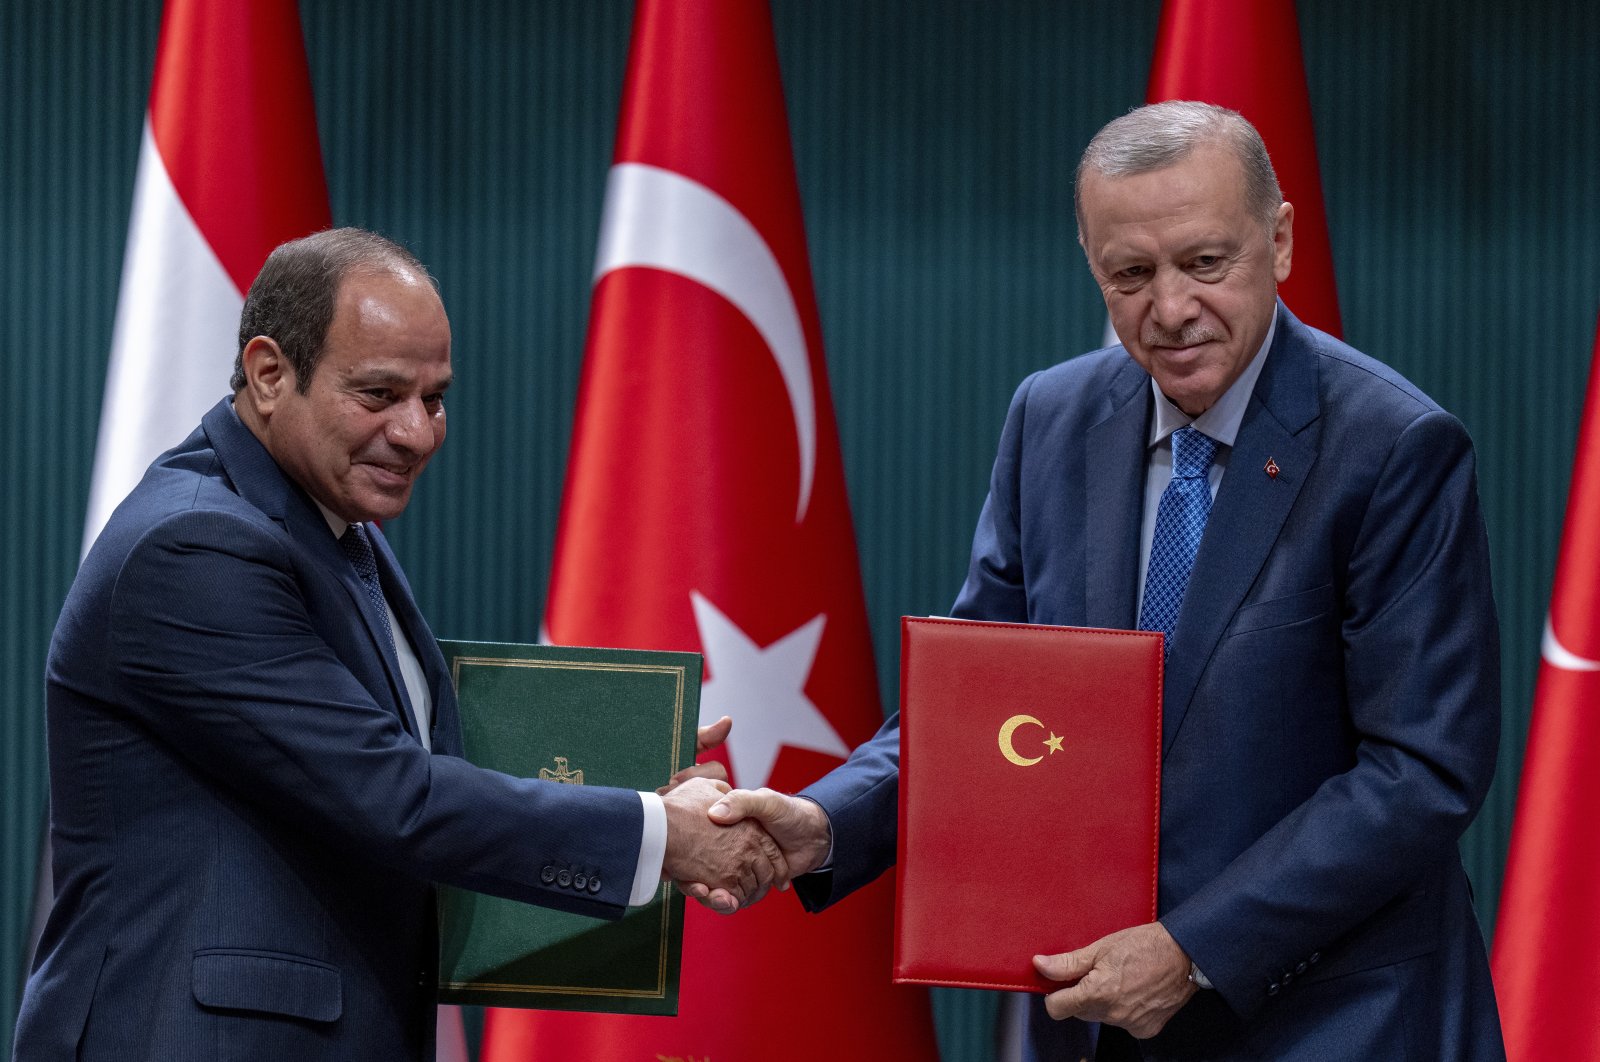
<point x="1557" y="655"/>
<point x="663" y="220"/>
<point x="1009" y="750"/>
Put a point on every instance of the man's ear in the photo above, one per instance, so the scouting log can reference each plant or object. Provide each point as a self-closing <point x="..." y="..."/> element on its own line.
<point x="1283" y="242"/>
<point x="267" y="374"/>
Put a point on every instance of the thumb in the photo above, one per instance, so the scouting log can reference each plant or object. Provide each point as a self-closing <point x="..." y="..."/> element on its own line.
<point x="733" y="807"/>
<point x="709" y="737"/>
<point x="761" y="804"/>
<point x="1067" y="966"/>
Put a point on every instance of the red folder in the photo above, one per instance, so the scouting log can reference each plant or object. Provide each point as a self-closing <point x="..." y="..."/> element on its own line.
<point x="1030" y="796"/>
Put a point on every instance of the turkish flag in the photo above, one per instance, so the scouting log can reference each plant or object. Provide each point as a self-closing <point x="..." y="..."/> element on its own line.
<point x="705" y="509"/>
<point x="1548" y="928"/>
<point x="1245" y="55"/>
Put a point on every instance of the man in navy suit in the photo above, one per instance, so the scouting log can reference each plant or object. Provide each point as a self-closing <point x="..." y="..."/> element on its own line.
<point x="253" y="740"/>
<point x="1331" y="707"/>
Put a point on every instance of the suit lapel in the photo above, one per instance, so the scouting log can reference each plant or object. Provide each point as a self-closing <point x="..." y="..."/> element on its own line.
<point x="259" y="480"/>
<point x="324" y="548"/>
<point x="1114" y="502"/>
<point x="426" y="647"/>
<point x="1249" y="511"/>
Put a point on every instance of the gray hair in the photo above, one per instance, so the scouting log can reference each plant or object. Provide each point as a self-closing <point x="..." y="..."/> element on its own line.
<point x="1160" y="134"/>
<point x="292" y="299"/>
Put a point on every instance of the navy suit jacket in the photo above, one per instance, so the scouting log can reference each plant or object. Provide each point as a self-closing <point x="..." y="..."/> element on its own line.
<point x="1331" y="709"/>
<point x="246" y="828"/>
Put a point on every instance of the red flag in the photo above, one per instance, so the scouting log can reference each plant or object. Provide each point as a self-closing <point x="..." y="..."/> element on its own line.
<point x="1549" y="921"/>
<point x="1245" y="55"/>
<point x="229" y="168"/>
<point x="705" y="509"/>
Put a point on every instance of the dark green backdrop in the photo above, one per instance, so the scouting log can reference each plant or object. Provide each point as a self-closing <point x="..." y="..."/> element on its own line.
<point x="934" y="141"/>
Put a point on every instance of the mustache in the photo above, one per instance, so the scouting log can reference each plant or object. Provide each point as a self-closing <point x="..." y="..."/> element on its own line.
<point x="1188" y="336"/>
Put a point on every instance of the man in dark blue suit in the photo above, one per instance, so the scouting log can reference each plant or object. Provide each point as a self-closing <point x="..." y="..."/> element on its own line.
<point x="1331" y="708"/>
<point x="254" y="747"/>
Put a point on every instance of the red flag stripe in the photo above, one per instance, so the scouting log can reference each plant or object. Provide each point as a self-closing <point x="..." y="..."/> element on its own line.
<point x="232" y="116"/>
<point x="1549" y="920"/>
<point x="1245" y="55"/>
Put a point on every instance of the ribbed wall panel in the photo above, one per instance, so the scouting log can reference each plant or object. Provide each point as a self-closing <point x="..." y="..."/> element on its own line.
<point x="1458" y="153"/>
<point x="935" y="145"/>
<point x="73" y="82"/>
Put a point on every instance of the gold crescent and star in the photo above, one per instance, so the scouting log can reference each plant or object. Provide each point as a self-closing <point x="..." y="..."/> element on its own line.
<point x="1009" y="750"/>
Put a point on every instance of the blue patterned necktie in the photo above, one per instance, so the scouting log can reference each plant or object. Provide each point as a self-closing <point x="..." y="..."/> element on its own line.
<point x="1180" y="521"/>
<point x="358" y="547"/>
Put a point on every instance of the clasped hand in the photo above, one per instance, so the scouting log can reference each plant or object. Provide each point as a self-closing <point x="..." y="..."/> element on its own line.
<point x="728" y="848"/>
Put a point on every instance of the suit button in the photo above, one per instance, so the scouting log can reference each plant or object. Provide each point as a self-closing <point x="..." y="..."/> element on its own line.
<point x="594" y="885"/>
<point x="1286" y="979"/>
<point x="564" y="879"/>
<point x="1272" y="989"/>
<point x="580" y="881"/>
<point x="1316" y="957"/>
<point x="1300" y="969"/>
<point x="548" y="874"/>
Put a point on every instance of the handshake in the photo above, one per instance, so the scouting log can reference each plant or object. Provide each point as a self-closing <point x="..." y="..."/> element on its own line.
<point x="728" y="847"/>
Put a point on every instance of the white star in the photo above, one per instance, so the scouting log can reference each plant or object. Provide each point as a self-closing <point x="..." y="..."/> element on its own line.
<point x="763" y="690"/>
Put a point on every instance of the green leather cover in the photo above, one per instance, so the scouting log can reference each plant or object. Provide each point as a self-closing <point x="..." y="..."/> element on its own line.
<point x="614" y="717"/>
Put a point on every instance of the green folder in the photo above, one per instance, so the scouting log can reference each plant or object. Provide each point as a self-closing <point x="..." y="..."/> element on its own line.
<point x="613" y="717"/>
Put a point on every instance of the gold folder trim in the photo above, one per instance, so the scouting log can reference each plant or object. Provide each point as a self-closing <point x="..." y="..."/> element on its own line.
<point x="658" y="992"/>
<point x="677" y="671"/>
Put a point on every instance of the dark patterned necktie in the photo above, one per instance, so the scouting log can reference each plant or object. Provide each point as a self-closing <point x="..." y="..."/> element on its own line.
<point x="358" y="547"/>
<point x="1180" y="521"/>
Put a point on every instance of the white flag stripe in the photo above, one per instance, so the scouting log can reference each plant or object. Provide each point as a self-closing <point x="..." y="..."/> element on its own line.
<point x="450" y="1036"/>
<point x="173" y="344"/>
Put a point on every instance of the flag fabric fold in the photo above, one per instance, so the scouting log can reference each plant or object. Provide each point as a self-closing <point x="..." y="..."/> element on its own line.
<point x="705" y="510"/>
<point x="1245" y="55"/>
<point x="1549" y="918"/>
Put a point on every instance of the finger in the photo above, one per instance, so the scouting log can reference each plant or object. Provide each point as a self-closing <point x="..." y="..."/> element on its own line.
<point x="1070" y="1002"/>
<point x="774" y="856"/>
<point x="719" y="901"/>
<point x="713" y="770"/>
<point x="748" y="882"/>
<point x="722" y="901"/>
<point x="1067" y="966"/>
<point x="765" y="868"/>
<point x="709" y="737"/>
<point x="743" y="804"/>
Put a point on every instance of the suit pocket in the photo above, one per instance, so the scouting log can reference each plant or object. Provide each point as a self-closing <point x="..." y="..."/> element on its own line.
<point x="267" y="982"/>
<point x="1282" y="611"/>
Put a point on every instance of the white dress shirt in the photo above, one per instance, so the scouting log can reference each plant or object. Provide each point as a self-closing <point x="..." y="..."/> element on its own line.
<point x="1220" y="422"/>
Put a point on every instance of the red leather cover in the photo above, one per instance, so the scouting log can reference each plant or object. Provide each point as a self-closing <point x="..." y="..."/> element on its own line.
<point x="1008" y="847"/>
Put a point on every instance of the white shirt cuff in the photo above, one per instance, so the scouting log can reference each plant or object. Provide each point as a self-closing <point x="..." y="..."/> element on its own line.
<point x="652" y="851"/>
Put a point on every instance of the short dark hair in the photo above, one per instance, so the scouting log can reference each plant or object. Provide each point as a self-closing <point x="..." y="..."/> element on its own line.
<point x="292" y="299"/>
<point x="1160" y="134"/>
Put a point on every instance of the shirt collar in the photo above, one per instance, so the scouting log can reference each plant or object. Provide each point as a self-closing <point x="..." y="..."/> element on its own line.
<point x="335" y="524"/>
<point x="1221" y="422"/>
